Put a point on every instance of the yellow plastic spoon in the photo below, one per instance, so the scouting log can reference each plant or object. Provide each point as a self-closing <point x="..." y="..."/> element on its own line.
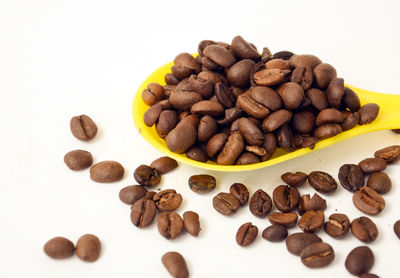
<point x="388" y="118"/>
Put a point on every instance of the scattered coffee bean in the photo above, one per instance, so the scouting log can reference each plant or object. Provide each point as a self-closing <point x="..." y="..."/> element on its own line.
<point x="286" y="198"/>
<point x="191" y="223"/>
<point x="225" y="203"/>
<point x="78" y="159"/>
<point x="88" y="248"/>
<point x="202" y="183"/>
<point x="143" y="212"/>
<point x="368" y="201"/>
<point x="287" y="219"/>
<point x="351" y="177"/>
<point x="260" y="203"/>
<point x="106" y="171"/>
<point x="83" y="127"/>
<point x="322" y="182"/>
<point x="294" y="179"/>
<point x="360" y="260"/>
<point x="315" y="203"/>
<point x="338" y="225"/>
<point x="316" y="255"/>
<point x="147" y="176"/>
<point x="175" y="264"/>
<point x="167" y="200"/>
<point x="130" y="194"/>
<point x="164" y="164"/>
<point x="246" y="234"/>
<point x="59" y="248"/>
<point x="170" y="225"/>
<point x="312" y="221"/>
<point x="370" y="165"/>
<point x="380" y="182"/>
<point x="389" y="154"/>
<point x="295" y="243"/>
<point x="239" y="190"/>
<point x="364" y="229"/>
<point x="396" y="228"/>
<point x="275" y="233"/>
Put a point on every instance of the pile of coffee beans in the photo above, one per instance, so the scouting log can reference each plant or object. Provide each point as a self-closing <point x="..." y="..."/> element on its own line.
<point x="233" y="105"/>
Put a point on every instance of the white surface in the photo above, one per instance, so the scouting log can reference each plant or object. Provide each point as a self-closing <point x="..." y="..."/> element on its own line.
<point x="63" y="58"/>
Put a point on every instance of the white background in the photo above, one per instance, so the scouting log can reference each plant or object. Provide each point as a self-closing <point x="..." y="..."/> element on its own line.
<point x="64" y="58"/>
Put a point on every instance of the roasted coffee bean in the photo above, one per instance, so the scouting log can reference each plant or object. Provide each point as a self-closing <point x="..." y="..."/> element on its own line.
<point x="294" y="179"/>
<point x="315" y="203"/>
<point x="147" y="176"/>
<point x="266" y="55"/>
<point x="277" y="64"/>
<point x="327" y="130"/>
<point x="207" y="107"/>
<point x="197" y="153"/>
<point x="239" y="73"/>
<point x="302" y="76"/>
<point x="370" y="165"/>
<point x="166" y="122"/>
<point x="305" y="60"/>
<point x="149" y="195"/>
<point x="231" y="115"/>
<point x="181" y="72"/>
<point x="316" y="255"/>
<point x="243" y="50"/>
<point x="184" y="100"/>
<point x="364" y="229"/>
<point x="232" y="149"/>
<point x="287" y="219"/>
<point x="350" y="120"/>
<point x="247" y="158"/>
<point x="389" y="154"/>
<point x="88" y="248"/>
<point x="168" y="90"/>
<point x="152" y="114"/>
<point x="266" y="96"/>
<point x="182" y="137"/>
<point x="368" y="201"/>
<point x="106" y="171"/>
<point x="202" y="183"/>
<point x="335" y="92"/>
<point x="312" y="221"/>
<point x="284" y="55"/>
<point x="285" y="138"/>
<point x="269" y="77"/>
<point x="170" y="79"/>
<point x="303" y="121"/>
<point x="380" y="182"/>
<point x="368" y="275"/>
<point x="216" y="143"/>
<point x="338" y="225"/>
<point x="183" y="86"/>
<point x="351" y="100"/>
<point x="143" y="212"/>
<point x="175" y="264"/>
<point x="396" y="228"/>
<point x="153" y="93"/>
<point x="286" y="198"/>
<point x="295" y="243"/>
<point x="83" y="127"/>
<point x="360" y="260"/>
<point x="220" y="55"/>
<point x="246" y="234"/>
<point x="291" y="94"/>
<point x="202" y="86"/>
<point x="323" y="74"/>
<point x="239" y="190"/>
<point x="78" y="159"/>
<point x="368" y="113"/>
<point x="170" y="225"/>
<point x="226" y="203"/>
<point x="187" y="60"/>
<point x="275" y="233"/>
<point x="251" y="107"/>
<point x="224" y="95"/>
<point x="260" y="203"/>
<point x="164" y="164"/>
<point x="270" y="143"/>
<point x="130" y="194"/>
<point x="304" y="141"/>
<point x="191" y="223"/>
<point x="330" y="115"/>
<point x="276" y="120"/>
<point x="351" y="177"/>
<point x="59" y="248"/>
<point x="322" y="182"/>
<point x="250" y="132"/>
<point x="317" y="98"/>
<point x="167" y="200"/>
<point x="203" y="44"/>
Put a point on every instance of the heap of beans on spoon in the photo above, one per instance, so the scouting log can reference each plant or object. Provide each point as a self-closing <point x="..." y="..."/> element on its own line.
<point x="233" y="105"/>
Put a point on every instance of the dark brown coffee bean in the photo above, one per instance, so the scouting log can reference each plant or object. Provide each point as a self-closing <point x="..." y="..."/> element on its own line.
<point x="335" y="92"/>
<point x="183" y="86"/>
<point x="286" y="219"/>
<point x="216" y="143"/>
<point x="260" y="203"/>
<point x="312" y="221"/>
<point x="323" y="74"/>
<point x="368" y="275"/>
<point x="250" y="132"/>
<point x="284" y="55"/>
<point x="207" y="107"/>
<point x="350" y="120"/>
<point x="243" y="50"/>
<point x="305" y="60"/>
<point x="226" y="203"/>
<point x="370" y="165"/>
<point x="202" y="86"/>
<point x="266" y="96"/>
<point x="389" y="154"/>
<point x="147" y="176"/>
<point x="248" y="158"/>
<point x="270" y="143"/>
<point x="396" y="228"/>
<point x="184" y="100"/>
<point x="286" y="198"/>
<point x="182" y="137"/>
<point x="170" y="79"/>
<point x="303" y="121"/>
<point x="368" y="201"/>
<point x="202" y="183"/>
<point x="224" y="95"/>
<point x="59" y="248"/>
<point x="277" y="64"/>
<point x="106" y="171"/>
<point x="187" y="60"/>
<point x="246" y="234"/>
<point x="197" y="153"/>
<point x="239" y="73"/>
<point x="170" y="225"/>
<point x="88" y="248"/>
<point x="175" y="264"/>
<point x="316" y="255"/>
<point x="338" y="225"/>
<point x="167" y="200"/>
<point x="295" y="243"/>
<point x="397" y="130"/>
<point x="181" y="72"/>
<point x="291" y="94"/>
<point x="315" y="203"/>
<point x="251" y="107"/>
<point x="351" y="177"/>
<point x="203" y="44"/>
<point x="364" y="229"/>
<point x="322" y="182"/>
<point x="368" y="113"/>
<point x="302" y="76"/>
<point x="276" y="120"/>
<point x="152" y="114"/>
<point x="380" y="182"/>
<point x="360" y="260"/>
<point x="317" y="98"/>
<point x="269" y="77"/>
<point x="327" y="130"/>
<point x="191" y="223"/>
<point x="294" y="179"/>
<point x="166" y="122"/>
<point x="143" y="212"/>
<point x="275" y="233"/>
<point x="239" y="190"/>
<point x="164" y="164"/>
<point x="351" y="100"/>
<point x="330" y="115"/>
<point x="78" y="159"/>
<point x="220" y="55"/>
<point x="304" y="141"/>
<point x="153" y="93"/>
<point x="232" y="149"/>
<point x="83" y="127"/>
<point x="130" y="194"/>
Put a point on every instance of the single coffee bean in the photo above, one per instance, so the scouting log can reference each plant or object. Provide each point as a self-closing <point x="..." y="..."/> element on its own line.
<point x="166" y="122"/>
<point x="316" y="255"/>
<point x="286" y="198"/>
<point x="197" y="153"/>
<point x="380" y="182"/>
<point x="315" y="203"/>
<point x="389" y="154"/>
<point x="152" y="114"/>
<point x="226" y="203"/>
<point x="147" y="176"/>
<point x="239" y="190"/>
<point x="277" y="64"/>
<point x="312" y="221"/>
<point x="260" y="203"/>
<point x="396" y="228"/>
<point x="182" y="137"/>
<point x="232" y="149"/>
<point x="130" y="194"/>
<point x="368" y="275"/>
<point x="220" y="55"/>
<point x="170" y="225"/>
<point x="164" y="164"/>
<point x="207" y="107"/>
<point x="191" y="223"/>
<point x="183" y="86"/>
<point x="275" y="233"/>
<point x="250" y="132"/>
<point x="184" y="100"/>
<point x="327" y="130"/>
<point x="368" y="201"/>
<point x="246" y="234"/>
<point x="175" y="264"/>
<point x="292" y="95"/>
<point x="170" y="79"/>
<point x="284" y="136"/>
<point x="335" y="92"/>
<point x="303" y="121"/>
<point x="370" y="165"/>
<point x="368" y="113"/>
<point x="239" y="73"/>
<point x="247" y="158"/>
<point x="167" y="200"/>
<point x="267" y="97"/>
<point x="78" y="159"/>
<point x="59" y="248"/>
<point x="351" y="100"/>
<point x="187" y="60"/>
<point x="244" y="50"/>
<point x="216" y="143"/>
<point x="83" y="127"/>
<point x="360" y="260"/>
<point x="276" y="120"/>
<point x="181" y="72"/>
<point x="350" y="120"/>
<point x="364" y="229"/>
<point x="143" y="212"/>
<point x="322" y="182"/>
<point x="329" y="115"/>
<point x="153" y="93"/>
<point x="351" y="177"/>
<point x="287" y="219"/>
<point x="106" y="171"/>
<point x="323" y="74"/>
<point x="317" y="98"/>
<point x="269" y="77"/>
<point x="338" y="225"/>
<point x="284" y="55"/>
<point x="202" y="86"/>
<point x="203" y="44"/>
<point x="305" y="60"/>
<point x="304" y="141"/>
<point x="224" y="95"/>
<point x="302" y="76"/>
<point x="88" y="248"/>
<point x="295" y="243"/>
<point x="252" y="107"/>
<point x="294" y="179"/>
<point x="202" y="183"/>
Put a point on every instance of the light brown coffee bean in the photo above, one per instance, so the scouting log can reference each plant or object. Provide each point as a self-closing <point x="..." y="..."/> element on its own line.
<point x="291" y="94"/>
<point x="175" y="264"/>
<point x="287" y="219"/>
<point x="389" y="154"/>
<point x="130" y="194"/>
<point x="368" y="201"/>
<point x="226" y="203"/>
<point x="380" y="182"/>
<point x="338" y="225"/>
<point x="88" y="248"/>
<point x="266" y="96"/>
<point x="370" y="165"/>
<point x="191" y="223"/>
<point x="243" y="50"/>
<point x="364" y="229"/>
<point x="240" y="192"/>
<point x="167" y="200"/>
<point x="305" y="60"/>
<point x="295" y="243"/>
<point x="164" y="164"/>
<point x="316" y="203"/>
<point x="312" y="221"/>
<point x="276" y="120"/>
<point x="78" y="159"/>
<point x="323" y="74"/>
<point x="270" y="77"/>
<point x="107" y="171"/>
<point x="59" y="248"/>
<point x="170" y="225"/>
<point x="182" y="137"/>
<point x="143" y="212"/>
<point x="83" y="127"/>
<point x="153" y="93"/>
<point x="252" y="107"/>
<point x="294" y="179"/>
<point x="246" y="234"/>
<point x="232" y="149"/>
<point x="316" y="255"/>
